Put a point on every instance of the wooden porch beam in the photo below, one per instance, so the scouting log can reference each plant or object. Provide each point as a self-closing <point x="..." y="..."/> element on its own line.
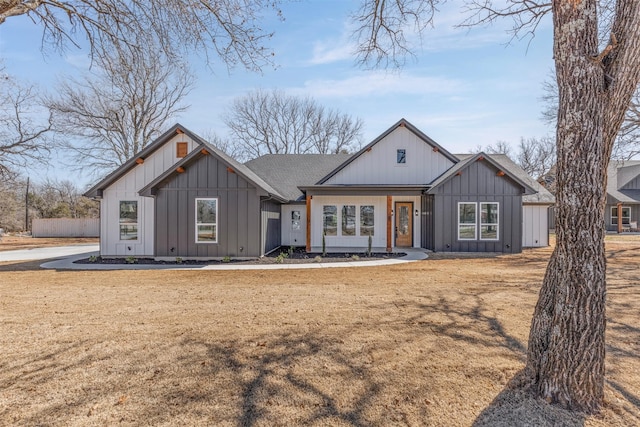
<point x="619" y="217"/>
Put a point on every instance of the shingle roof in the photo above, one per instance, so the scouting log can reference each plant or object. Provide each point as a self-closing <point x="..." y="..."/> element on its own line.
<point x="622" y="196"/>
<point x="542" y="195"/>
<point x="287" y="172"/>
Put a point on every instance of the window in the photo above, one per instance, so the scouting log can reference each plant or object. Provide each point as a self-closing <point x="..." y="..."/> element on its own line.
<point x="626" y="215"/>
<point x="206" y="220"/>
<point x="401" y="155"/>
<point x="366" y="221"/>
<point x="488" y="221"/>
<point x="129" y="220"/>
<point x="330" y="220"/>
<point x="466" y="221"/>
<point x="295" y="220"/>
<point x="181" y="149"/>
<point x="348" y="220"/>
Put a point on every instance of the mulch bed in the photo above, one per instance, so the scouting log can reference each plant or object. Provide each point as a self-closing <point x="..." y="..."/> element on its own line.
<point x="282" y="255"/>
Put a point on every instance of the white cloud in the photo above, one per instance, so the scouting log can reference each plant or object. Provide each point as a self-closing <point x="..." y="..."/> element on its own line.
<point x="379" y="84"/>
<point x="327" y="52"/>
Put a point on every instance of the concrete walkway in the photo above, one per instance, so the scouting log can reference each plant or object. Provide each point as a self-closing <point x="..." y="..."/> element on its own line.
<point x="48" y="252"/>
<point x="66" y="255"/>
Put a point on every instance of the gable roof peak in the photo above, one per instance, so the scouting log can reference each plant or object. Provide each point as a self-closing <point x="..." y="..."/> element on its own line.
<point x="402" y="123"/>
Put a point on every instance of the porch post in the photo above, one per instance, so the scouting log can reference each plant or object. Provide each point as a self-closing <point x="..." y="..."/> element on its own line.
<point x="389" y="223"/>
<point x="308" y="249"/>
<point x="619" y="217"/>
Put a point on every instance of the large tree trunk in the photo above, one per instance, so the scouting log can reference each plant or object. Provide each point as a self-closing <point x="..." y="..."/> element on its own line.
<point x="565" y="360"/>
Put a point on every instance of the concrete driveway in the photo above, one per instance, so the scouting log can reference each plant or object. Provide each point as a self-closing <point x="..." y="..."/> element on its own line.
<point x="47" y="253"/>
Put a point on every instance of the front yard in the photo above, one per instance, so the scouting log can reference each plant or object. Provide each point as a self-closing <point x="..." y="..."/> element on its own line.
<point x="427" y="343"/>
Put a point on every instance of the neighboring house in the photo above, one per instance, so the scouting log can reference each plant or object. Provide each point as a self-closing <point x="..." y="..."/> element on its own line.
<point x="622" y="212"/>
<point x="182" y="197"/>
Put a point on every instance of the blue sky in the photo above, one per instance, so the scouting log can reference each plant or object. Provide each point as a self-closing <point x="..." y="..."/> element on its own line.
<point x="464" y="88"/>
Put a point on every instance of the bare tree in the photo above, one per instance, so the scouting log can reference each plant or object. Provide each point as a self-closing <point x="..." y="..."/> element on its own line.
<point x="627" y="144"/>
<point x="271" y="122"/>
<point x="566" y="352"/>
<point x="229" y="28"/>
<point x="114" y="112"/>
<point x="536" y="155"/>
<point x="60" y="199"/>
<point x="24" y="126"/>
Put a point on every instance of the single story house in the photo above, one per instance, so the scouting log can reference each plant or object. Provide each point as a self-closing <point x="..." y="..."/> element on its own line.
<point x="182" y="197"/>
<point x="622" y="212"/>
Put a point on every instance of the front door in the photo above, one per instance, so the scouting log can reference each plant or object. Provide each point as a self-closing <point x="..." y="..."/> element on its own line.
<point x="404" y="224"/>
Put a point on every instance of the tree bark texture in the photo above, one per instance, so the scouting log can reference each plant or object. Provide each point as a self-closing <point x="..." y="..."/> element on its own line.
<point x="565" y="360"/>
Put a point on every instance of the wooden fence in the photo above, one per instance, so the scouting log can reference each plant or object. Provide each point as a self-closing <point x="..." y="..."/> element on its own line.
<point x="66" y="227"/>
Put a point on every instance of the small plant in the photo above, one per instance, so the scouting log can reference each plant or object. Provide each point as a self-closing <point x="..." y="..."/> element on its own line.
<point x="291" y="250"/>
<point x="318" y="258"/>
<point x="131" y="259"/>
<point x="281" y="257"/>
<point x="369" y="244"/>
<point x="226" y="259"/>
<point x="178" y="260"/>
<point x="355" y="257"/>
<point x="93" y="259"/>
<point x="324" y="245"/>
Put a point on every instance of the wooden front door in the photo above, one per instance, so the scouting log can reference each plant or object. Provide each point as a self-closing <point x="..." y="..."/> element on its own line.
<point x="404" y="224"/>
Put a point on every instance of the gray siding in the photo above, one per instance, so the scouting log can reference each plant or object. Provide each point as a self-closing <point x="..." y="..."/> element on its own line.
<point x="271" y="234"/>
<point x="427" y="226"/>
<point x="238" y="213"/>
<point x="635" y="216"/>
<point x="634" y="184"/>
<point x="478" y="183"/>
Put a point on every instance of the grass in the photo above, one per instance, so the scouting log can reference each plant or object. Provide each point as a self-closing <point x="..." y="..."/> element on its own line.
<point x="428" y="343"/>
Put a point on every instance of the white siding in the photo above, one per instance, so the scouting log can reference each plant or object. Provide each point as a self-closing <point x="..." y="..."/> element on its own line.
<point x="65" y="227"/>
<point x="126" y="188"/>
<point x="380" y="221"/>
<point x="379" y="166"/>
<point x="291" y="236"/>
<point x="535" y="228"/>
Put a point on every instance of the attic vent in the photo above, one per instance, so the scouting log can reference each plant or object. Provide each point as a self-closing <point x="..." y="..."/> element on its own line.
<point x="181" y="149"/>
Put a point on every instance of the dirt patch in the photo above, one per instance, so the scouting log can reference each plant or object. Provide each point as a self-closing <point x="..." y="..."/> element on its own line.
<point x="434" y="342"/>
<point x="12" y="243"/>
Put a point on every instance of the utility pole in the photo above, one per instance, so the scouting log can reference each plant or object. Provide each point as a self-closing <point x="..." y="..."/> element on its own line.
<point x="26" y="208"/>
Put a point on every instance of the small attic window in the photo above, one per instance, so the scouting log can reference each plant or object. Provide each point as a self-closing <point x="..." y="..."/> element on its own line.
<point x="181" y="149"/>
<point x="401" y="156"/>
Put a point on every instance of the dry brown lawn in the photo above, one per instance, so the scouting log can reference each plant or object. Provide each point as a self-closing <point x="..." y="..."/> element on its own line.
<point x="428" y="343"/>
<point x="13" y="243"/>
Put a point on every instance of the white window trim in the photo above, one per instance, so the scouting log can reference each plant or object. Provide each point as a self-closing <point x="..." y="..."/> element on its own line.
<point x="206" y="223"/>
<point x="137" y="223"/>
<point x="628" y="208"/>
<point x="497" y="224"/>
<point x="475" y="224"/>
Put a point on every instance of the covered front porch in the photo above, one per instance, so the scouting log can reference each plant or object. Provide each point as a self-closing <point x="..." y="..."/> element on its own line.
<point x="356" y="219"/>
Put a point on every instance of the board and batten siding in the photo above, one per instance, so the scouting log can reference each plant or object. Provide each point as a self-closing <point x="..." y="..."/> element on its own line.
<point x="478" y="182"/>
<point x="126" y="189"/>
<point x="238" y="222"/>
<point x="379" y="166"/>
<point x="291" y="236"/>
<point x="535" y="230"/>
<point x="271" y="224"/>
